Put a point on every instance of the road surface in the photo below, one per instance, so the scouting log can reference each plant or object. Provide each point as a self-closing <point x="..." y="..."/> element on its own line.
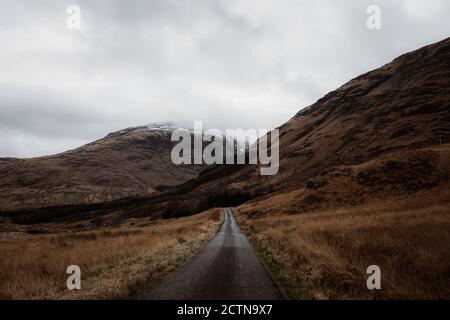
<point x="226" y="269"/>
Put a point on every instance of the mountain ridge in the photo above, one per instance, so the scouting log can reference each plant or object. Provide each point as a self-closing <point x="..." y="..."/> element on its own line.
<point x="402" y="106"/>
<point x="129" y="162"/>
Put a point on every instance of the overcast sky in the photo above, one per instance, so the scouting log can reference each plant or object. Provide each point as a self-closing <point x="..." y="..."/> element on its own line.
<point x="230" y="63"/>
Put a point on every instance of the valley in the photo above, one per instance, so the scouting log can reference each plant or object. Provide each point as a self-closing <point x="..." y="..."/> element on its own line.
<point x="364" y="179"/>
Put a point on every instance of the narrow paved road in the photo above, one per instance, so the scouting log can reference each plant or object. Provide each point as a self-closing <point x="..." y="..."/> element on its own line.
<point x="227" y="268"/>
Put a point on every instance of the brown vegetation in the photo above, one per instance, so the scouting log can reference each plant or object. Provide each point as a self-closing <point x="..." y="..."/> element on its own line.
<point x="325" y="255"/>
<point x="392" y="175"/>
<point x="116" y="262"/>
<point x="318" y="243"/>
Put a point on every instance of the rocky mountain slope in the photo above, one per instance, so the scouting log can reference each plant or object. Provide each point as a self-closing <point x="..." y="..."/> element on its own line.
<point x="130" y="162"/>
<point x="399" y="108"/>
<point x="404" y="105"/>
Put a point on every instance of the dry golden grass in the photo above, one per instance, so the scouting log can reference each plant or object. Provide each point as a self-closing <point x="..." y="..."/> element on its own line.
<point x="115" y="263"/>
<point x="324" y="255"/>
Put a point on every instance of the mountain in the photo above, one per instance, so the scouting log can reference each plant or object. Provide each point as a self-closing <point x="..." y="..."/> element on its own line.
<point x="364" y="180"/>
<point x="130" y="162"/>
<point x="384" y="133"/>
<point x="404" y="105"/>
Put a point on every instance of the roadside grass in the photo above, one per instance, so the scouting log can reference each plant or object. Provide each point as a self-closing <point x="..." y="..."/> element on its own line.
<point x="324" y="255"/>
<point x="121" y="262"/>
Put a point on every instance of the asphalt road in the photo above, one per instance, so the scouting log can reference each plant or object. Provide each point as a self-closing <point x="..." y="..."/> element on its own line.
<point x="226" y="269"/>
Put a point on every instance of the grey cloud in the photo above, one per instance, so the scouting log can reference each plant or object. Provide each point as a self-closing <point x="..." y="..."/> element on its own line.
<point x="230" y="63"/>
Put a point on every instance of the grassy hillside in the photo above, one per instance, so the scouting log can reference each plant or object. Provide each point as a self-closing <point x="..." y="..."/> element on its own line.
<point x="319" y="242"/>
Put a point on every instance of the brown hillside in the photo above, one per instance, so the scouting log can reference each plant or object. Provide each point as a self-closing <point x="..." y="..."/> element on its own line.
<point x="404" y="105"/>
<point x="130" y="162"/>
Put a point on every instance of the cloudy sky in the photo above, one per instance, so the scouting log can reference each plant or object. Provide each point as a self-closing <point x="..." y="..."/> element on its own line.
<point x="230" y="63"/>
